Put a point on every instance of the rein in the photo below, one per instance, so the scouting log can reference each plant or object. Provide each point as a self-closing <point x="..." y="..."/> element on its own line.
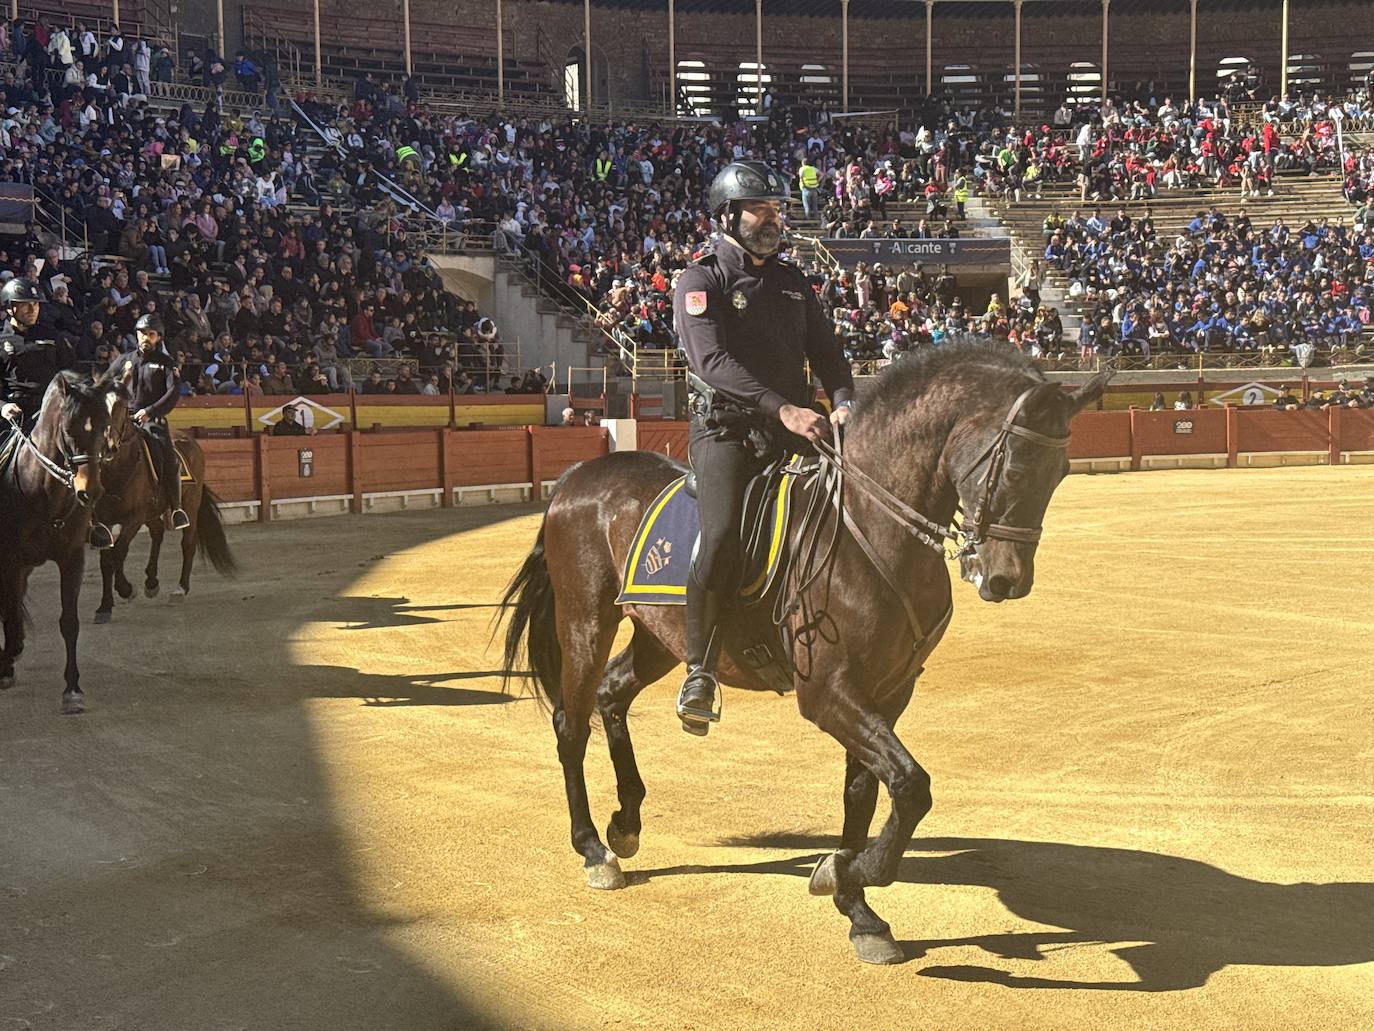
<point x="62" y="474"/>
<point x="810" y="563"/>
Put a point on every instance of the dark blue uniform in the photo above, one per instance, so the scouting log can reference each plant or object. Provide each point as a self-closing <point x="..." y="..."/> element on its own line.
<point x="154" y="388"/>
<point x="748" y="331"/>
<point x="27" y="365"/>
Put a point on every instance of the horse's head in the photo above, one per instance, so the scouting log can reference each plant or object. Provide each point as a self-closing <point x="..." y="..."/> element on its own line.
<point x="76" y="431"/>
<point x="1006" y="468"/>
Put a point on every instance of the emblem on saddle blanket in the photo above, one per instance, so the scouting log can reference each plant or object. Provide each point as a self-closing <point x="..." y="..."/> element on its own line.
<point x="661" y="549"/>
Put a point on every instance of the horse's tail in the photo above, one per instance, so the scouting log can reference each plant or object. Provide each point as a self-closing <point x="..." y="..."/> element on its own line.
<point x="210" y="534"/>
<point x="528" y="601"/>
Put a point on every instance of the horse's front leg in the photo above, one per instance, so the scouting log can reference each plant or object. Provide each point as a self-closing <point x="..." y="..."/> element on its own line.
<point x="868" y="738"/>
<point x="105" y="610"/>
<point x="13" y="585"/>
<point x="156" y="531"/>
<point x="72" y="566"/>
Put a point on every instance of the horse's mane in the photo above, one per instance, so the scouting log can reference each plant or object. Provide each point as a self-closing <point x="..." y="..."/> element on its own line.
<point x="912" y="375"/>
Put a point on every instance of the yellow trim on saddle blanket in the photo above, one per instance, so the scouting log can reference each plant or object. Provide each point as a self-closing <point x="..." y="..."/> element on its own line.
<point x="186" y="476"/>
<point x="645" y="553"/>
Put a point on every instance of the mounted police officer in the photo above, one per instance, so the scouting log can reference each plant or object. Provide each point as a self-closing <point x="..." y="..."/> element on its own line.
<point x="748" y="323"/>
<point x="27" y="362"/>
<point x="153" y="392"/>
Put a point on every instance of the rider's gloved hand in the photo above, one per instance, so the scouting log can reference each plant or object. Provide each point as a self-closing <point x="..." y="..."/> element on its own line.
<point x="10" y="410"/>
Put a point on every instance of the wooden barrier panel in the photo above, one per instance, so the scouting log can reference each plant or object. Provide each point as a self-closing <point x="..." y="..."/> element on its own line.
<point x="218" y="413"/>
<point x="480" y="457"/>
<point x="555" y="448"/>
<point x="1357" y="429"/>
<point x="1100" y="435"/>
<point x="327" y="466"/>
<point x="1194" y="431"/>
<point x="1258" y="430"/>
<point x="336" y="411"/>
<point x="400" y="461"/>
<point x="231" y="467"/>
<point x="666" y="438"/>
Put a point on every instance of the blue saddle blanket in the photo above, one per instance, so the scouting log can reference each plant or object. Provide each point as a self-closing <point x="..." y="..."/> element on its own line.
<point x="661" y="550"/>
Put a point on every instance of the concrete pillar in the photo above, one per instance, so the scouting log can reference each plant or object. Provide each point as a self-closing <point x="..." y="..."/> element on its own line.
<point x="930" y="16"/>
<point x="587" y="52"/>
<point x="219" y="10"/>
<point x="405" y="26"/>
<point x="844" y="56"/>
<point x="1017" y="107"/>
<point x="672" y="61"/>
<point x="1192" y="53"/>
<point x="1105" y="4"/>
<point x="1283" y="57"/>
<point x="758" y="56"/>
<point x="500" y="56"/>
<point x="319" y="61"/>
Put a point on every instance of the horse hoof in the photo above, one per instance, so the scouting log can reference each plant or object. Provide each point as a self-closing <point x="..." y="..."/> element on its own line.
<point x="605" y="876"/>
<point x="103" y="616"/>
<point x="6" y="682"/>
<point x="177" y="595"/>
<point x="825" y="879"/>
<point x="623" y="845"/>
<point x="73" y="704"/>
<point x="151" y="591"/>
<point x="877" y="948"/>
<point x="125" y="591"/>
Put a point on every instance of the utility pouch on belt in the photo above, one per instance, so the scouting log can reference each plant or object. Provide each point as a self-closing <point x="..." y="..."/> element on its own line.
<point x="719" y="411"/>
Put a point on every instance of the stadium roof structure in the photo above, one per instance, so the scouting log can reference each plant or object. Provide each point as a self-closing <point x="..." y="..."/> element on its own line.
<point x="907" y="9"/>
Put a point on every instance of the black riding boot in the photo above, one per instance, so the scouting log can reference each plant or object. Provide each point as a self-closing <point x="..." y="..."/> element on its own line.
<point x="696" y="702"/>
<point x="171" y="487"/>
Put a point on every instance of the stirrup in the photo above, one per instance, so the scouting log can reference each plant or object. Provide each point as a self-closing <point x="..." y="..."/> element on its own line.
<point x="180" y="520"/>
<point x="100" y="537"/>
<point x="696" y="720"/>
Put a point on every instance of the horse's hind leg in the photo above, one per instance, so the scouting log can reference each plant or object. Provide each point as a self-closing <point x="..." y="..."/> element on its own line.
<point x="188" y="552"/>
<point x="586" y="641"/>
<point x="642" y="662"/>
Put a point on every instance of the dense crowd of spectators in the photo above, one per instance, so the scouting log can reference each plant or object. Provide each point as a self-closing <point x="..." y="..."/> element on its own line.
<point x="226" y="228"/>
<point x="190" y="217"/>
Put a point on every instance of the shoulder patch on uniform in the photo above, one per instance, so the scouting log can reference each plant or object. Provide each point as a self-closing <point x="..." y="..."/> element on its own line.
<point x="695" y="302"/>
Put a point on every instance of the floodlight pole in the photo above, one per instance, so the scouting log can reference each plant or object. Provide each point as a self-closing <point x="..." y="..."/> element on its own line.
<point x="319" y="64"/>
<point x="405" y="18"/>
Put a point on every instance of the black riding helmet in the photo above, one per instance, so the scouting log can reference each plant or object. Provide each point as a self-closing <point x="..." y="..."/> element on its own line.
<point x="743" y="181"/>
<point x="19" y="290"/>
<point x="149" y="322"/>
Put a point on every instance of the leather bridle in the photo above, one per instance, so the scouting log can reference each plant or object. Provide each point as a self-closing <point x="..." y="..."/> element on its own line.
<point x="995" y="456"/>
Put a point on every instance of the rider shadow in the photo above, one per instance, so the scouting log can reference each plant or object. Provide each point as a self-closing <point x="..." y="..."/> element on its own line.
<point x="362" y="613"/>
<point x="1178" y="921"/>
<point x="382" y="690"/>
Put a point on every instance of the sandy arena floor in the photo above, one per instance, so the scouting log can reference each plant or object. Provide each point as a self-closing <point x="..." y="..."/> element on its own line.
<point x="299" y="800"/>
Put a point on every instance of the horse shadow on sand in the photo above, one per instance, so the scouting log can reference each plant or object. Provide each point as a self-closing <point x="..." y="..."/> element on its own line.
<point x="384" y="690"/>
<point x="363" y="613"/>
<point x="1173" y="921"/>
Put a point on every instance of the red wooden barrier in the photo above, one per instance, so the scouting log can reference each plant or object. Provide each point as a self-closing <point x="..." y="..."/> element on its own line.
<point x="1101" y="435"/>
<point x="1269" y="431"/>
<point x="665" y="438"/>
<point x="1194" y="431"/>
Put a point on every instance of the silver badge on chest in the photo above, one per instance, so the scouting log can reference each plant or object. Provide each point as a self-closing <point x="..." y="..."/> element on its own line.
<point x="739" y="301"/>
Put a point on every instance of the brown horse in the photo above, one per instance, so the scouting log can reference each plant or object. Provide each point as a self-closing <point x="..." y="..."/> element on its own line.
<point x="133" y="500"/>
<point x="47" y="490"/>
<point x="966" y="426"/>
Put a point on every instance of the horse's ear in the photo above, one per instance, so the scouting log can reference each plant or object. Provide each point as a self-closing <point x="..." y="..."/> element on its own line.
<point x="1091" y="390"/>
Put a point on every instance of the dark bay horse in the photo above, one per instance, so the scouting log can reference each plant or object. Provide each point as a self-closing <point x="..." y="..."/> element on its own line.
<point x="132" y="500"/>
<point x="963" y="426"/>
<point x="47" y="490"/>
